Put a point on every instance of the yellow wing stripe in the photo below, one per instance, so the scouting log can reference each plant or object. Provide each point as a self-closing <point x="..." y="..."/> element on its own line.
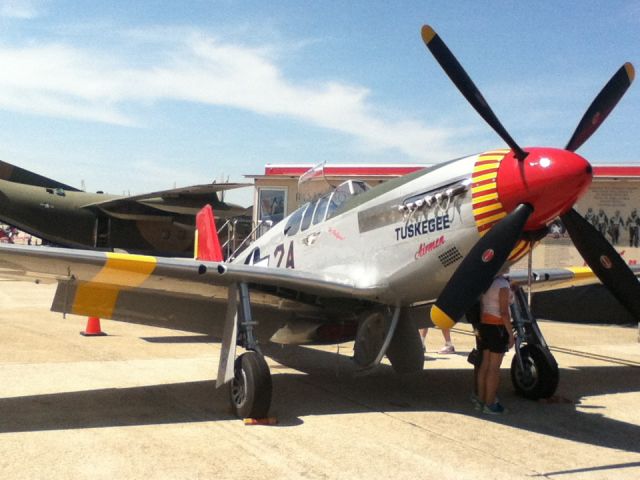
<point x="126" y="270"/>
<point x="99" y="295"/>
<point x="580" y="273"/>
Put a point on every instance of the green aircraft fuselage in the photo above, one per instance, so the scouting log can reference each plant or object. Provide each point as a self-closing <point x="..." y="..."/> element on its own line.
<point x="161" y="224"/>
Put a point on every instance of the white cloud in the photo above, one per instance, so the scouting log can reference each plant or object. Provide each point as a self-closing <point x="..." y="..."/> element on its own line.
<point x="75" y="82"/>
<point x="20" y="9"/>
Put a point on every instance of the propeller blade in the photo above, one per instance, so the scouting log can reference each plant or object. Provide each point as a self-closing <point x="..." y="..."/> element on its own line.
<point x="459" y="77"/>
<point x="605" y="262"/>
<point x="478" y="269"/>
<point x="602" y="106"/>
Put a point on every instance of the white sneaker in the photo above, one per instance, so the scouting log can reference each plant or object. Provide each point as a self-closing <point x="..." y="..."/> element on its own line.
<point x="447" y="349"/>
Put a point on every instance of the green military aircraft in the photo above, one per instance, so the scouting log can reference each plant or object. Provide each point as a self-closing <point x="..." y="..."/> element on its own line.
<point x="159" y="222"/>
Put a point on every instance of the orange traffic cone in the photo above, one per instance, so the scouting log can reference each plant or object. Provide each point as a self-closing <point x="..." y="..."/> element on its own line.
<point x="93" y="328"/>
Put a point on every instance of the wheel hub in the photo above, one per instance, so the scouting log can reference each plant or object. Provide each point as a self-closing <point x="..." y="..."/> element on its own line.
<point x="238" y="388"/>
<point x="528" y="377"/>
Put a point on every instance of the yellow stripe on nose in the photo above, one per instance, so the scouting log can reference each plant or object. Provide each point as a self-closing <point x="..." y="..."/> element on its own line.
<point x="98" y="296"/>
<point x="491" y="219"/>
<point x="483" y="177"/>
<point x="491" y="164"/>
<point x="484" y="198"/>
<point x="488" y="208"/>
<point x="483" y="188"/>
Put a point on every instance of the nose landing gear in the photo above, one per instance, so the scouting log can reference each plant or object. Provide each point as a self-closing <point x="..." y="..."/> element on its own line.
<point x="534" y="370"/>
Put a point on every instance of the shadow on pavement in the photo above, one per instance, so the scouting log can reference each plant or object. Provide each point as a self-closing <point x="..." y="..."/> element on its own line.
<point x="329" y="384"/>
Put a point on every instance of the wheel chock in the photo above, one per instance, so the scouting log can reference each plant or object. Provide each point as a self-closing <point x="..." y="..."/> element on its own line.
<point x="93" y="328"/>
<point x="260" y="421"/>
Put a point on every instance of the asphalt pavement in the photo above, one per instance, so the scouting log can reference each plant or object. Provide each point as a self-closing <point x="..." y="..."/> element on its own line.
<point x="142" y="403"/>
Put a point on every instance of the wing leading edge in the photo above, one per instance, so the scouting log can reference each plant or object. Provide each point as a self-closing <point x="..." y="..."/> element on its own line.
<point x="556" y="278"/>
<point x="159" y="291"/>
<point x="133" y="287"/>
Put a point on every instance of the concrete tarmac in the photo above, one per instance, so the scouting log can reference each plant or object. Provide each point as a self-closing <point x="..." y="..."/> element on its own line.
<point x="142" y="403"/>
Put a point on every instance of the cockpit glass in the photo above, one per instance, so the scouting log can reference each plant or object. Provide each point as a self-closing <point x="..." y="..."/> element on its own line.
<point x="344" y="191"/>
<point x="324" y="208"/>
<point x="293" y="225"/>
<point x="308" y="215"/>
<point x="321" y="209"/>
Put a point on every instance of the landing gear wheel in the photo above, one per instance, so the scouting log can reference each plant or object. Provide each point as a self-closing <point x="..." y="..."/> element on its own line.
<point x="372" y="332"/>
<point x="405" y="351"/>
<point x="540" y="376"/>
<point x="250" y="389"/>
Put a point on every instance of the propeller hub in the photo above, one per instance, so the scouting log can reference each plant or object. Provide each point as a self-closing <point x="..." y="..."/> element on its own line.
<point x="551" y="180"/>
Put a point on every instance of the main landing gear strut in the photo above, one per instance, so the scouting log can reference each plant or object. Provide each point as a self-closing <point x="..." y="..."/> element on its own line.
<point x="534" y="370"/>
<point x="248" y="375"/>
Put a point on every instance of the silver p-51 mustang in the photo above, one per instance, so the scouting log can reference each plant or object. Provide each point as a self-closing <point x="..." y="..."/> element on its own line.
<point x="355" y="263"/>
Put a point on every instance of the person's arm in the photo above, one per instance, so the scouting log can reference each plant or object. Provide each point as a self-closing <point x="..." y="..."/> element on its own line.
<point x="505" y="313"/>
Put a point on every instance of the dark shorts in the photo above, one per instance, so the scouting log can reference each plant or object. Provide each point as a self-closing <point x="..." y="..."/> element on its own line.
<point x="493" y="338"/>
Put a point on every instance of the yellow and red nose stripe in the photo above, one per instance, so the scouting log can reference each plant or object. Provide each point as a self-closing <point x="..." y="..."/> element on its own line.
<point x="487" y="208"/>
<point x="99" y="295"/>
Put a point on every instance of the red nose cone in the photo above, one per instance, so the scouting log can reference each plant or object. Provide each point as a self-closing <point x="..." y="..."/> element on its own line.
<point x="548" y="179"/>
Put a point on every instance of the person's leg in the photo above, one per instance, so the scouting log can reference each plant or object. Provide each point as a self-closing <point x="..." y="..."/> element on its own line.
<point x="476" y="367"/>
<point x="423" y="333"/>
<point x="492" y="377"/>
<point x="423" y="336"/>
<point x="475" y="398"/>
<point x="446" y="333"/>
<point x="482" y="374"/>
<point x="448" y="344"/>
<point x="476" y="374"/>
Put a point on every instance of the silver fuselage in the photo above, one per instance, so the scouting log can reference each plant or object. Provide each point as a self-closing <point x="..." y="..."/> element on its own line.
<point x="377" y="243"/>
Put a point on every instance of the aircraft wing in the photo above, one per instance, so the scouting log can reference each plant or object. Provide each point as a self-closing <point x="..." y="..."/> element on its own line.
<point x="13" y="173"/>
<point x="177" y="292"/>
<point x="144" y="289"/>
<point x="183" y="200"/>
<point x="556" y="278"/>
<point x="193" y="190"/>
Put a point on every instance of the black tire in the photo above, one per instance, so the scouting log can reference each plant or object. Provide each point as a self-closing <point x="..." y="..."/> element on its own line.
<point x="541" y="375"/>
<point x="250" y="388"/>
<point x="405" y="350"/>
<point x="372" y="331"/>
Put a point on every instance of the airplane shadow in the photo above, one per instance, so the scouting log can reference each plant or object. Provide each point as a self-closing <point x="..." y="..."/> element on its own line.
<point x="447" y="390"/>
<point x="175" y="339"/>
<point x="327" y="385"/>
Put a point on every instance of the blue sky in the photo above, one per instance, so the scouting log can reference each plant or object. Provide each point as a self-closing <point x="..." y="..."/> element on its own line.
<point x="141" y="95"/>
